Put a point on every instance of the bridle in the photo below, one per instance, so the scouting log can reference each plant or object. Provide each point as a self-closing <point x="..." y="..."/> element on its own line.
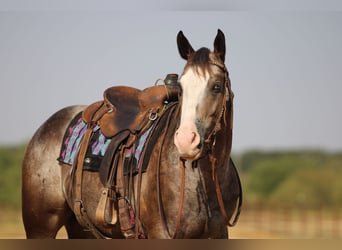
<point x="229" y="96"/>
<point x="209" y="145"/>
<point x="213" y="159"/>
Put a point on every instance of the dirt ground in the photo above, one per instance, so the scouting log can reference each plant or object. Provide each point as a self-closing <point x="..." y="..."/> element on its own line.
<point x="12" y="228"/>
<point x="250" y="226"/>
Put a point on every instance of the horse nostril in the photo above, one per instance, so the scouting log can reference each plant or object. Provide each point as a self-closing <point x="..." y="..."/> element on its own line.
<point x="193" y="137"/>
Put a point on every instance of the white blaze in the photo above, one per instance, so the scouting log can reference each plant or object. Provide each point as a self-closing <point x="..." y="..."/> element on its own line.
<point x="187" y="137"/>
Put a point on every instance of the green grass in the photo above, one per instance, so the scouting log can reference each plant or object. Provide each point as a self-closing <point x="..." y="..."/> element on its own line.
<point x="288" y="180"/>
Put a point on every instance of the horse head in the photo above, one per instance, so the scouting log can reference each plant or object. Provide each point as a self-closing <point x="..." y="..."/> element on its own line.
<point x="205" y="91"/>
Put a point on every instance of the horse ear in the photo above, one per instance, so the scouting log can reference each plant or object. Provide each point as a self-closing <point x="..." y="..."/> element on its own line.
<point x="220" y="45"/>
<point x="184" y="47"/>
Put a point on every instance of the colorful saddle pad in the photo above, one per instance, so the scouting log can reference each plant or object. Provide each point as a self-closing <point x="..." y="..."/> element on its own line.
<point x="97" y="147"/>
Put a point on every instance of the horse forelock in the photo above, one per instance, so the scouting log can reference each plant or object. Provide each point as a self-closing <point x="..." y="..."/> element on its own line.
<point x="199" y="61"/>
<point x="202" y="60"/>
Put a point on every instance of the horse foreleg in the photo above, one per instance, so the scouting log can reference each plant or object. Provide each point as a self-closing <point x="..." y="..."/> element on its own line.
<point x="42" y="223"/>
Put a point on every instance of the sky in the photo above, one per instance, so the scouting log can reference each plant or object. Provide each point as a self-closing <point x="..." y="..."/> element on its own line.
<point x="285" y="62"/>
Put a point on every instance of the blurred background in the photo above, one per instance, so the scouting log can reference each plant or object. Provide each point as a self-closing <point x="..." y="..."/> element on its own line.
<point x="285" y="67"/>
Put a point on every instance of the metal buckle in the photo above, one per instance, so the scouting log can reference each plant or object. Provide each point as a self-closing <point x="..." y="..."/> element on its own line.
<point x="153" y="115"/>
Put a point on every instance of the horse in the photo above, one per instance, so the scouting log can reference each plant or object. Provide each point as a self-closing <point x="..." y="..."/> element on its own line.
<point x="191" y="188"/>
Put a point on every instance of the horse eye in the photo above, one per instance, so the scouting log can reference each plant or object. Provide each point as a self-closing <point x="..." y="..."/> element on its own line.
<point x="217" y="87"/>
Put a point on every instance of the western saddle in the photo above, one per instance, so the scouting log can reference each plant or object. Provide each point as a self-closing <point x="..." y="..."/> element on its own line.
<point x="123" y="115"/>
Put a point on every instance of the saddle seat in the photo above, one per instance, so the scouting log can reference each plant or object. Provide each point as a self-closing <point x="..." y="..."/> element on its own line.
<point x="126" y="107"/>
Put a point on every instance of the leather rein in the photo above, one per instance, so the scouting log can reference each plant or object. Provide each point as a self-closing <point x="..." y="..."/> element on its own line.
<point x="213" y="159"/>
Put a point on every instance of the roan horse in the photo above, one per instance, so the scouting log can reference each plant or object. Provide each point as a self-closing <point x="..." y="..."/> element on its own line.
<point x="190" y="189"/>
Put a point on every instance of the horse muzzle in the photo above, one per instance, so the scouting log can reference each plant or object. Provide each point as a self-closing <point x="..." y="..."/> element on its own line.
<point x="188" y="141"/>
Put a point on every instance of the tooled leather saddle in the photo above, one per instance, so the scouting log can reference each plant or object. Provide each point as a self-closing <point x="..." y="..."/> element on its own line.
<point x="123" y="115"/>
<point x="126" y="108"/>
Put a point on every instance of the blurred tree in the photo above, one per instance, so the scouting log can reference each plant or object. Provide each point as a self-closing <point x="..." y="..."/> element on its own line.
<point x="10" y="175"/>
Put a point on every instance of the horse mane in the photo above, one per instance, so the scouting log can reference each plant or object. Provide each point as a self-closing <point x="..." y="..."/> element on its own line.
<point x="200" y="61"/>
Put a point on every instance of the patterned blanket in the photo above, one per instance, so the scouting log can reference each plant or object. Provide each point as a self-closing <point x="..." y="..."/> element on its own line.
<point x="97" y="147"/>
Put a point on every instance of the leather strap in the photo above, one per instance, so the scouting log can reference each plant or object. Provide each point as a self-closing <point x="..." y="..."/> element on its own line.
<point x="79" y="209"/>
<point x="108" y="194"/>
<point x="125" y="209"/>
<point x="220" y="198"/>
<point x="165" y="124"/>
<point x="181" y="198"/>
